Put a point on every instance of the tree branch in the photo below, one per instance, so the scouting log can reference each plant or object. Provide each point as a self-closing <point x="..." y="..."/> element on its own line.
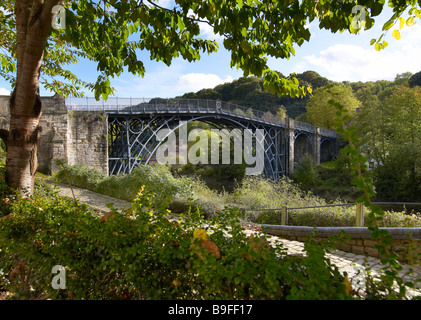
<point x="168" y="10"/>
<point x="22" y="13"/>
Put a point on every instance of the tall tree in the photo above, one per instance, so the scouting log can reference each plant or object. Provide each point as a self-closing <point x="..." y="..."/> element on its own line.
<point x="415" y="80"/>
<point x="321" y="113"/>
<point x="403" y="78"/>
<point x="390" y="134"/>
<point x="112" y="32"/>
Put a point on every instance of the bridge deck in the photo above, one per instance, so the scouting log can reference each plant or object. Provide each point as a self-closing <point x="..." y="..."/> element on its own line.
<point x="131" y="106"/>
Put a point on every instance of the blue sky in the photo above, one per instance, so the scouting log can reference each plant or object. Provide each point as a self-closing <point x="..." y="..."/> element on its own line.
<point x="338" y="57"/>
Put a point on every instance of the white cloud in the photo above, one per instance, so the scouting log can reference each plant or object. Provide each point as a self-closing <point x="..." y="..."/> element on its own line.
<point x="193" y="82"/>
<point x="207" y="32"/>
<point x="167" y="82"/>
<point x="164" y="3"/>
<point x="355" y="63"/>
<point x="4" y="92"/>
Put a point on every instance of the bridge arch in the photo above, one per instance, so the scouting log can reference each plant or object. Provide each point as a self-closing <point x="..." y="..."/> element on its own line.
<point x="133" y="124"/>
<point x="303" y="144"/>
<point x="327" y="150"/>
<point x="134" y="144"/>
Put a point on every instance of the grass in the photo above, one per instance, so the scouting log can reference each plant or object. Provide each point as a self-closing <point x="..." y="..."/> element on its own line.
<point x="181" y="193"/>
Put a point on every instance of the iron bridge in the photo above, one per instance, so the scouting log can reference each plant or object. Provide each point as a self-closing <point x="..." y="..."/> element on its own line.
<point x="133" y="126"/>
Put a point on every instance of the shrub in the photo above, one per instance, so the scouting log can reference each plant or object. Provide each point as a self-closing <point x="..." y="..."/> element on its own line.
<point x="160" y="183"/>
<point x="260" y="193"/>
<point x="183" y="194"/>
<point x="140" y="254"/>
<point x="79" y="176"/>
<point x="253" y="194"/>
<point x="305" y="173"/>
<point x="402" y="219"/>
<point x="209" y="201"/>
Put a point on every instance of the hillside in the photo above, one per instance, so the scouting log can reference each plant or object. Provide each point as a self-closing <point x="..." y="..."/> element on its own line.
<point x="249" y="92"/>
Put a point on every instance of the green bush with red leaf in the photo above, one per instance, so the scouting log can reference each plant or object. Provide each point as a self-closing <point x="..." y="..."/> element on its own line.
<point x="142" y="253"/>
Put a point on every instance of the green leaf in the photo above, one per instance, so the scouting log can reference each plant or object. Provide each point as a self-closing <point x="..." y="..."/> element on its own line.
<point x="181" y="24"/>
<point x="388" y="25"/>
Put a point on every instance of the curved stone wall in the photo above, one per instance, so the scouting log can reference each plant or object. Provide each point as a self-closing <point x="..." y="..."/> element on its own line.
<point x="406" y="241"/>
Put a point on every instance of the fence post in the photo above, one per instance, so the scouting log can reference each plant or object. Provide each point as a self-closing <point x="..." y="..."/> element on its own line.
<point x="360" y="215"/>
<point x="284" y="216"/>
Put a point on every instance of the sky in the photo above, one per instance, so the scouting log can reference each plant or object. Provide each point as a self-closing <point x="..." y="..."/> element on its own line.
<point x="338" y="57"/>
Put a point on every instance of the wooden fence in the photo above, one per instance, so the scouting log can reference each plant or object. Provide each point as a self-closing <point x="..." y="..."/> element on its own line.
<point x="359" y="210"/>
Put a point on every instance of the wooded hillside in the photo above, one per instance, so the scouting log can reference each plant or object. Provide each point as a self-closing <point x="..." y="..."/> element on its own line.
<point x="249" y="92"/>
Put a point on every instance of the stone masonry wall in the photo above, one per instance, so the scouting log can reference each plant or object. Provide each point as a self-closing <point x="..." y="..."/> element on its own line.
<point x="70" y="137"/>
<point x="88" y="139"/>
<point x="406" y="242"/>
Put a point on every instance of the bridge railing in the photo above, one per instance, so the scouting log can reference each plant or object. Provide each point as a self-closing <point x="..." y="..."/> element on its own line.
<point x="91" y="104"/>
<point x="176" y="105"/>
<point x="179" y="105"/>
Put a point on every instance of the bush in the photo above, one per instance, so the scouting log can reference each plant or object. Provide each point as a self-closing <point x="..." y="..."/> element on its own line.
<point x="209" y="201"/>
<point x="140" y="254"/>
<point x="402" y="219"/>
<point x="160" y="183"/>
<point x="258" y="192"/>
<point x="163" y="188"/>
<point x="217" y="177"/>
<point x="305" y="173"/>
<point x="395" y="182"/>
<point x="253" y="194"/>
<point x="79" y="176"/>
<point x="183" y="194"/>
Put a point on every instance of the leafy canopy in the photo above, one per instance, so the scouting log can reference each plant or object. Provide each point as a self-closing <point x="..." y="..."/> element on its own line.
<point x="117" y="34"/>
<point x="322" y="114"/>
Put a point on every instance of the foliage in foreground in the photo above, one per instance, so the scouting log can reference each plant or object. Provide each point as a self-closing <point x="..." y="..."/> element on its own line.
<point x="141" y="254"/>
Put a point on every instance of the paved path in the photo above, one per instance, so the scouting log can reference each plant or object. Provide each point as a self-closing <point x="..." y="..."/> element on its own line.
<point x="346" y="262"/>
<point x="95" y="200"/>
<point x="354" y="264"/>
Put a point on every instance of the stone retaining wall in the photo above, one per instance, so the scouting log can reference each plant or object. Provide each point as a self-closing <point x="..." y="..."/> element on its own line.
<point x="406" y="241"/>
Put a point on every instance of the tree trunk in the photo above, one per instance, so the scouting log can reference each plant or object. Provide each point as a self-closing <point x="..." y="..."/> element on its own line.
<point x="22" y="163"/>
<point x="33" y="24"/>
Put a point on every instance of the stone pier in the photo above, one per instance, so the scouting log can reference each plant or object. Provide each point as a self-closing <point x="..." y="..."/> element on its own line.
<point x="67" y="137"/>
